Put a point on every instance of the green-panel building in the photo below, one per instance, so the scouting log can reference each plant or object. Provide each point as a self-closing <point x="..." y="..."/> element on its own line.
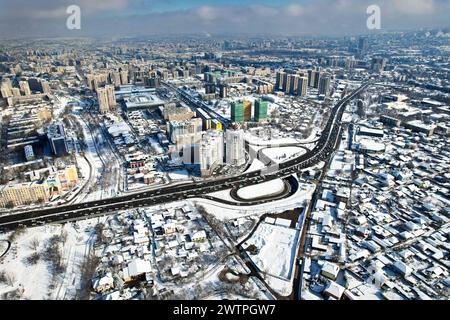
<point x="237" y="112"/>
<point x="260" y="110"/>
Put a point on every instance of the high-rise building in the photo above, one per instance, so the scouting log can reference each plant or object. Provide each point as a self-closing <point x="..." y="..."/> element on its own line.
<point x="237" y="112"/>
<point x="210" y="152"/>
<point x="90" y="81"/>
<point x="313" y="78"/>
<point x="279" y="83"/>
<point x="302" y="86"/>
<point x="378" y="64"/>
<point x="25" y="88"/>
<point x="362" y="45"/>
<point x="293" y="83"/>
<point x="57" y="139"/>
<point x="29" y="154"/>
<point x="45" y="86"/>
<point x="6" y="89"/>
<point x="235" y="147"/>
<point x="288" y="83"/>
<point x="111" y="97"/>
<point x="95" y="81"/>
<point x="176" y="128"/>
<point x="324" y="86"/>
<point x="350" y="62"/>
<point x="247" y="110"/>
<point x="102" y="97"/>
<point x="210" y="88"/>
<point x="124" y="77"/>
<point x="223" y="91"/>
<point x="115" y="78"/>
<point x="261" y="110"/>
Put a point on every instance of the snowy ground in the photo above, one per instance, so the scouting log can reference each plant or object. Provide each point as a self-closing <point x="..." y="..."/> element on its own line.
<point x="283" y="287"/>
<point x="280" y="141"/>
<point x="256" y="165"/>
<point x="178" y="175"/>
<point x="223" y="194"/>
<point x="276" y="247"/>
<point x="282" y="154"/>
<point x="35" y="281"/>
<point x="268" y="188"/>
<point x="226" y="212"/>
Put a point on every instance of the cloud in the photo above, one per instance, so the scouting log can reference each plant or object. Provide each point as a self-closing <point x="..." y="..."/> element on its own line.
<point x="207" y="13"/>
<point x="414" y="7"/>
<point x="294" y="10"/>
<point x="50" y="9"/>
<point x="114" y="17"/>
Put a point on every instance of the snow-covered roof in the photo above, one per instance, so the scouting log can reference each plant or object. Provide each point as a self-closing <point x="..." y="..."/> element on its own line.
<point x="199" y="235"/>
<point x="335" y="290"/>
<point x="330" y="268"/>
<point x="138" y="267"/>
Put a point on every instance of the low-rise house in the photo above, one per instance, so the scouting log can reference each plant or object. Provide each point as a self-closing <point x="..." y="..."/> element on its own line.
<point x="334" y="290"/>
<point x="138" y="267"/>
<point x="102" y="284"/>
<point x="402" y="268"/>
<point x="330" y="270"/>
<point x="199" y="236"/>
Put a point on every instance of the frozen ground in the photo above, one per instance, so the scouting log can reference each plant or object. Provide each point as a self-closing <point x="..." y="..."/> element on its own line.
<point x="36" y="281"/>
<point x="280" y="141"/>
<point x="282" y="287"/>
<point x="223" y="194"/>
<point x="282" y="154"/>
<point x="256" y="165"/>
<point x="276" y="247"/>
<point x="268" y="188"/>
<point x="178" y="175"/>
<point x="226" y="212"/>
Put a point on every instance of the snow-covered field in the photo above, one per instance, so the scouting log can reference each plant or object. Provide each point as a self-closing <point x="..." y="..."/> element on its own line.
<point x="276" y="246"/>
<point x="35" y="282"/>
<point x="282" y="154"/>
<point x="178" y="175"/>
<point x="226" y="212"/>
<point x="256" y="165"/>
<point x="268" y="188"/>
<point x="279" y="141"/>
<point x="223" y="194"/>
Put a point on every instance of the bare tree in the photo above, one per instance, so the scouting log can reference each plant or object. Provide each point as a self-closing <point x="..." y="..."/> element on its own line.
<point x="34" y="244"/>
<point x="87" y="270"/>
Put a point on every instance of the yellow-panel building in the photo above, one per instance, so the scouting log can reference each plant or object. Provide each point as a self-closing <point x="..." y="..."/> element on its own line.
<point x="247" y="110"/>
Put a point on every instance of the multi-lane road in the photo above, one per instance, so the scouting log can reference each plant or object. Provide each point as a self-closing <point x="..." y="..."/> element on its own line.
<point x="323" y="149"/>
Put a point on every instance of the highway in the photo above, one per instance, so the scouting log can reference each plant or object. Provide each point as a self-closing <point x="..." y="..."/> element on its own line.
<point x="322" y="150"/>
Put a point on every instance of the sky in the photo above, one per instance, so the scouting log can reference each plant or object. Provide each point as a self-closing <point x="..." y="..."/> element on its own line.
<point x="47" y="18"/>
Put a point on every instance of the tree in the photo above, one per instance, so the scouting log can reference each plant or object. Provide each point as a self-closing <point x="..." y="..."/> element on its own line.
<point x="34" y="244"/>
<point x="34" y="258"/>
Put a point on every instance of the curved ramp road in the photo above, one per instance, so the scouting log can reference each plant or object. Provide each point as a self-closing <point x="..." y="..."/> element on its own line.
<point x="324" y="147"/>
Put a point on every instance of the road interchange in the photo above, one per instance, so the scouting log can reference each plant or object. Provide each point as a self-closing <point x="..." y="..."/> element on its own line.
<point x="323" y="149"/>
